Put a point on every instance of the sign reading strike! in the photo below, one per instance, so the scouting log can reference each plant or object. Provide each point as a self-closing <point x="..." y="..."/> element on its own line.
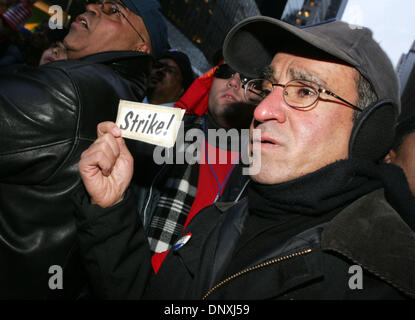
<point x="149" y="123"/>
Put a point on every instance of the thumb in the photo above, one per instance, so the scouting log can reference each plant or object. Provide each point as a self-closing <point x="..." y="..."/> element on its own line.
<point x="108" y="127"/>
<point x="123" y="147"/>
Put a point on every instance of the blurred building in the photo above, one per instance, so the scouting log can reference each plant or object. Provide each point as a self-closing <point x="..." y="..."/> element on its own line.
<point x="405" y="66"/>
<point x="406" y="74"/>
<point x="307" y="12"/>
<point x="179" y="41"/>
<point x="206" y="22"/>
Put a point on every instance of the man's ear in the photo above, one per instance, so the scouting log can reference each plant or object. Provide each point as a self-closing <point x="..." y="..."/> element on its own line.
<point x="144" y="47"/>
<point x="390" y="156"/>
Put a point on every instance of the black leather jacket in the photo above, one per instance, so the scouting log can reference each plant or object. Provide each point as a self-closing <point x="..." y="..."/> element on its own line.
<point x="48" y="118"/>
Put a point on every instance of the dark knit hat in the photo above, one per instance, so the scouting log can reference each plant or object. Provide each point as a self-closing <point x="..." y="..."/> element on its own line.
<point x="149" y="11"/>
<point x="183" y="61"/>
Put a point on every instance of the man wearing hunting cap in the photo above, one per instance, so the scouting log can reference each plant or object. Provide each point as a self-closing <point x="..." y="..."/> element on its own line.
<point x="320" y="220"/>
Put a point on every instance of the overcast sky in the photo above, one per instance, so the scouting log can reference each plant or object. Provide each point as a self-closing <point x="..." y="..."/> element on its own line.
<point x="392" y="23"/>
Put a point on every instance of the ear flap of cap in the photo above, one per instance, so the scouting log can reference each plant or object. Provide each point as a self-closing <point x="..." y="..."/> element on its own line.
<point x="373" y="134"/>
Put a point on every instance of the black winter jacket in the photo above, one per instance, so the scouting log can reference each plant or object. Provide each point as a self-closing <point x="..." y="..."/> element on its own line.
<point x="48" y="118"/>
<point x="315" y="264"/>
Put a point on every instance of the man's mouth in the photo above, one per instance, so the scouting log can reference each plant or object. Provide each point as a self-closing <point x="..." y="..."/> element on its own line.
<point x="228" y="96"/>
<point x="266" y="141"/>
<point x="82" y="21"/>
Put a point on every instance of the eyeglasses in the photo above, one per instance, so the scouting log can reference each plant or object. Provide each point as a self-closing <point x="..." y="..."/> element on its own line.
<point x="111" y="8"/>
<point x="297" y="93"/>
<point x="224" y="71"/>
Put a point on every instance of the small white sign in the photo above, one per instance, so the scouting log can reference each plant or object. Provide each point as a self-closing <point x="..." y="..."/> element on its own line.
<point x="149" y="123"/>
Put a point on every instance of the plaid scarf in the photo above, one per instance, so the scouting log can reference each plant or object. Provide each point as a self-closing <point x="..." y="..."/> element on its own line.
<point x="173" y="207"/>
<point x="178" y="193"/>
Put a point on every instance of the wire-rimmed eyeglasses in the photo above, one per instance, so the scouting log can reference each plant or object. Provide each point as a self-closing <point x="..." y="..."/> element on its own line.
<point x="110" y="7"/>
<point x="297" y="93"/>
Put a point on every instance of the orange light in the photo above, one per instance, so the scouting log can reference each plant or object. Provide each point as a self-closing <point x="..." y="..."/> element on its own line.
<point x="31" y="26"/>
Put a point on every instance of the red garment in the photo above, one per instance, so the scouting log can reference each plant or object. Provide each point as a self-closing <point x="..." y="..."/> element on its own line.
<point x="195" y="99"/>
<point x="207" y="186"/>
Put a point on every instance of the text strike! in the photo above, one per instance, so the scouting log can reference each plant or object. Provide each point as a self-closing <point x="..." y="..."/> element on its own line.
<point x="145" y="126"/>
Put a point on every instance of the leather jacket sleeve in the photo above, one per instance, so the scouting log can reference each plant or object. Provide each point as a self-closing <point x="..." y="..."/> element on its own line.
<point x="114" y="247"/>
<point x="48" y="117"/>
<point x="36" y="112"/>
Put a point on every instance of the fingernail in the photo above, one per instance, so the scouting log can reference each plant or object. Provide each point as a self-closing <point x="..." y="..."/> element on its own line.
<point x="116" y="131"/>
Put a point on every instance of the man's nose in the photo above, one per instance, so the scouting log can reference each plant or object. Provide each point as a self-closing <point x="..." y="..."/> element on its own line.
<point x="273" y="107"/>
<point x="234" y="81"/>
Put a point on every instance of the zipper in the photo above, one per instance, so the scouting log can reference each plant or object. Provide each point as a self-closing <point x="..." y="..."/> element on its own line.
<point x="256" y="267"/>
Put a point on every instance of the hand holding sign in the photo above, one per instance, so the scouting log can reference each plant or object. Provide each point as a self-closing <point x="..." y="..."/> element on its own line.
<point x="106" y="167"/>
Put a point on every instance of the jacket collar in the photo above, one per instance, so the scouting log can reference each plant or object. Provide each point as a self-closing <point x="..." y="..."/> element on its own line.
<point x="129" y="63"/>
<point x="114" y="56"/>
<point x="372" y="234"/>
